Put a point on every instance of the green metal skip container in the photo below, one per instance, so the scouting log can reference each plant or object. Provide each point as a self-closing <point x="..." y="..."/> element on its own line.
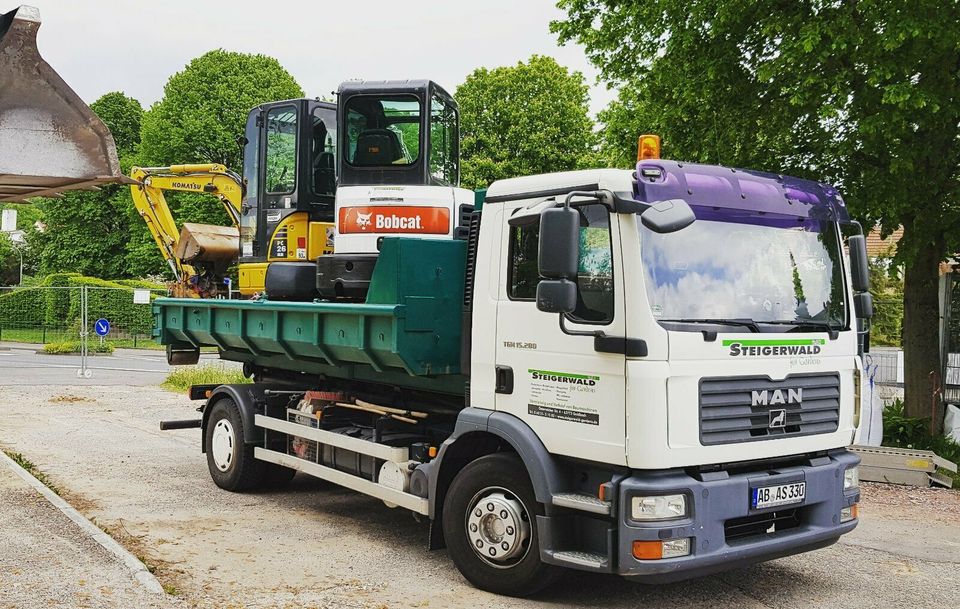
<point x="408" y="329"/>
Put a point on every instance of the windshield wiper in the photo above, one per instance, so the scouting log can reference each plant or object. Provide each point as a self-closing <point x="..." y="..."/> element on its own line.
<point x="746" y="323"/>
<point x="805" y="325"/>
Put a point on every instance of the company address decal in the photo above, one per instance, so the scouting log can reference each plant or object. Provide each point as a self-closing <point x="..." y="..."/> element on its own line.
<point x="394" y="219"/>
<point x="774" y="347"/>
<point x="563" y="396"/>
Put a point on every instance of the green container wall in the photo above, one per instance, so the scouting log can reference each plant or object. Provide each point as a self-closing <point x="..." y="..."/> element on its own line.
<point x="411" y="322"/>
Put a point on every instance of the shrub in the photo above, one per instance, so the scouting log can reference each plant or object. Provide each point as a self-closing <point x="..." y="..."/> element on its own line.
<point x="901" y="431"/>
<point x="73" y="346"/>
<point x="184" y="376"/>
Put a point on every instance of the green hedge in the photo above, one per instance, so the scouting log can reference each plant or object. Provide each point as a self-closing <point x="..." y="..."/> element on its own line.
<point x="55" y="303"/>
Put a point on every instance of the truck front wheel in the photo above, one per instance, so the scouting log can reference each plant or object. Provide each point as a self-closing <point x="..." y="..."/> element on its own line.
<point x="489" y="523"/>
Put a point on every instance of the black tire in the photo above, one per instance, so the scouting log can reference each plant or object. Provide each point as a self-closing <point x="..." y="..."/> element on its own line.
<point x="503" y="474"/>
<point x="242" y="471"/>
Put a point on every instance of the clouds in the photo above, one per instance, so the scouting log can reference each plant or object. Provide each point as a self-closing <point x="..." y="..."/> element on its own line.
<point x="102" y="45"/>
<point x="727" y="270"/>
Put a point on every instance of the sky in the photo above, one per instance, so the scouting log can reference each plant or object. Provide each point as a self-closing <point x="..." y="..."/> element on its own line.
<point x="99" y="46"/>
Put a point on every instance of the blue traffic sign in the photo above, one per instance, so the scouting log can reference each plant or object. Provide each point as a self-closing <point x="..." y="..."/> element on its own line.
<point x="101" y="327"/>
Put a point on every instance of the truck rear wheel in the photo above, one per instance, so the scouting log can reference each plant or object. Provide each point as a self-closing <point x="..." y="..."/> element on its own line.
<point x="229" y="459"/>
<point x="489" y="523"/>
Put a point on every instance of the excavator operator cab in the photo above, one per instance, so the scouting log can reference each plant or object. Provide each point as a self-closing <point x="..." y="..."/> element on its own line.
<point x="399" y="176"/>
<point x="289" y="167"/>
<point x="398" y="133"/>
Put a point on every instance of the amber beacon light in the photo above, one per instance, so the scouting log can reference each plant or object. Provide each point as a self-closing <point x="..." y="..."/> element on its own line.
<point x="648" y="147"/>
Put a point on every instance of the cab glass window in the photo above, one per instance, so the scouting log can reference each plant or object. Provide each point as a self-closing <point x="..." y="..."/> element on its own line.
<point x="595" y="270"/>
<point x="383" y="130"/>
<point x="323" y="152"/>
<point x="251" y="173"/>
<point x="444" y="138"/>
<point x="281" y="157"/>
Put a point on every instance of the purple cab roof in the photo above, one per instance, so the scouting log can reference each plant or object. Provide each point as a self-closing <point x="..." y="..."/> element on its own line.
<point x="713" y="190"/>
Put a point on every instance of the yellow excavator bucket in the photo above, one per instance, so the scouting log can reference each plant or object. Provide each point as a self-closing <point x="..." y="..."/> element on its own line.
<point x="50" y="140"/>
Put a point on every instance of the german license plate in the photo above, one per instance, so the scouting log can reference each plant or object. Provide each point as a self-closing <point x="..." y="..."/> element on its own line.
<point x="781" y="494"/>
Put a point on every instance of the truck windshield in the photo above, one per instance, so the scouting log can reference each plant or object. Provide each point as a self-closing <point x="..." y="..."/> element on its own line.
<point x="754" y="272"/>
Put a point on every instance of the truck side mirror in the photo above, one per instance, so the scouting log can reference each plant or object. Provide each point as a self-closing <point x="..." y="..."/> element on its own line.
<point x="668" y="216"/>
<point x="558" y="260"/>
<point x="863" y="305"/>
<point x="557" y="296"/>
<point x="859" y="268"/>
<point x="559" y="248"/>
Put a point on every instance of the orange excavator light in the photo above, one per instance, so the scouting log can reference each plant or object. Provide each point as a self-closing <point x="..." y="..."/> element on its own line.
<point x="648" y="147"/>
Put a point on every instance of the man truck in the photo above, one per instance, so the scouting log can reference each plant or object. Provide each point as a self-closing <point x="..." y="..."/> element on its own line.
<point x="652" y="373"/>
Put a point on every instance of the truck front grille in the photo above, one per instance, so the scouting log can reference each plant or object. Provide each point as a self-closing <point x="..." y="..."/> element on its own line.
<point x="749" y="409"/>
<point x="761" y="524"/>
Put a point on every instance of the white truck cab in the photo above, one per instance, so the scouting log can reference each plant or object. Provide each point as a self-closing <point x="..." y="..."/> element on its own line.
<point x="711" y="367"/>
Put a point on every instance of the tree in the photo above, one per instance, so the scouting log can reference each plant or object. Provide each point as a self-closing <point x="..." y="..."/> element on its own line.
<point x="864" y="94"/>
<point x="204" y="108"/>
<point x="523" y="119"/>
<point x="88" y="231"/>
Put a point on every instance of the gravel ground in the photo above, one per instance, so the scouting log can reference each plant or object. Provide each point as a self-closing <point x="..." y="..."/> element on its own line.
<point x="316" y="545"/>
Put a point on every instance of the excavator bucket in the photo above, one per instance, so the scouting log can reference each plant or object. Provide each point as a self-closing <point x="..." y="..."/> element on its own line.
<point x="50" y="140"/>
<point x="208" y="244"/>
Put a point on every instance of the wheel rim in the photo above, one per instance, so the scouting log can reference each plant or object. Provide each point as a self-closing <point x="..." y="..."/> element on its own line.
<point x="498" y="527"/>
<point x="223" y="444"/>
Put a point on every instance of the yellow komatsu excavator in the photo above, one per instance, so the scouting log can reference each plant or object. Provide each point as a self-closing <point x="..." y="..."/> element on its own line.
<point x="281" y="208"/>
<point x="199" y="255"/>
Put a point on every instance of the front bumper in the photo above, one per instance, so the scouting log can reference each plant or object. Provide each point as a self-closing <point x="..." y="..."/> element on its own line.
<point x="724" y="531"/>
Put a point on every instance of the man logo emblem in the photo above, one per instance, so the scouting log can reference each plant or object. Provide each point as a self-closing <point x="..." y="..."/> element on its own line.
<point x="778" y="419"/>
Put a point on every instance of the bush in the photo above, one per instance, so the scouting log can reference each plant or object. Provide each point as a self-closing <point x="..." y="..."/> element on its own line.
<point x="52" y="304"/>
<point x="902" y="431"/>
<point x="73" y="346"/>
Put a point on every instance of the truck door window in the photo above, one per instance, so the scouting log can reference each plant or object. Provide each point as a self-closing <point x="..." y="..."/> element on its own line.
<point x="595" y="296"/>
<point x="323" y="151"/>
<point x="281" y="150"/>
<point x="444" y="137"/>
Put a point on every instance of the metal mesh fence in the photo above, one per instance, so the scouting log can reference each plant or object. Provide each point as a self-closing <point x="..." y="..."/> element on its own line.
<point x="53" y="314"/>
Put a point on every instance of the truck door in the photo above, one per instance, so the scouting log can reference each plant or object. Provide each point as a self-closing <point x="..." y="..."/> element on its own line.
<point x="548" y="373"/>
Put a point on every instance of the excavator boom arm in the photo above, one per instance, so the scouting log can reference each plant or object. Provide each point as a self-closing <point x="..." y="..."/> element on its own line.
<point x="184" y="249"/>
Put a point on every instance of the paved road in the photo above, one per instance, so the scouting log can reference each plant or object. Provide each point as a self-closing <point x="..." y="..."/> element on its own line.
<point x="22" y="365"/>
<point x="317" y="545"/>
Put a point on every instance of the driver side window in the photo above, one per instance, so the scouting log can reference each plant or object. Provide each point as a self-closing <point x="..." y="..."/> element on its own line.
<point x="595" y="297"/>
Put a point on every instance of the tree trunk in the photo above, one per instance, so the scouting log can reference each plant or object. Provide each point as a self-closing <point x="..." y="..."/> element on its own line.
<point x="921" y="329"/>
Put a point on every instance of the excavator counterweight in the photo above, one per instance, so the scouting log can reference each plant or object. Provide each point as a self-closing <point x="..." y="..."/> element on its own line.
<point x="50" y="140"/>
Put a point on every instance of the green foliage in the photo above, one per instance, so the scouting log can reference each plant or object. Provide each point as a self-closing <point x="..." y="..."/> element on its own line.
<point x="205" y="106"/>
<point x="886" y="286"/>
<point x="122" y="115"/>
<point x="55" y="304"/>
<point x="74" y="346"/>
<point x="184" y="376"/>
<point x="88" y="231"/>
<point x="903" y="431"/>
<point x="860" y="94"/>
<point x="523" y="119"/>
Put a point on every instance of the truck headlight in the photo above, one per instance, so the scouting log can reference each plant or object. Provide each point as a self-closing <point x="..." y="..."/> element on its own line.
<point x="851" y="477"/>
<point x="658" y="507"/>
